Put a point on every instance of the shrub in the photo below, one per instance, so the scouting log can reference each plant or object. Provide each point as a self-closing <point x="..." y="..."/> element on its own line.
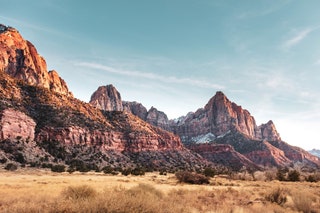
<point x="313" y="178"/>
<point x="209" y="172"/>
<point x="163" y="172"/>
<point x="278" y="195"/>
<point x="11" y="167"/>
<point x="293" y="175"/>
<point x="107" y="170"/>
<point x="46" y="165"/>
<point x="79" y="192"/>
<point x="138" y="171"/>
<point x="281" y="174"/>
<point x="126" y="172"/>
<point x="192" y="178"/>
<point x="71" y="170"/>
<point x="271" y="175"/>
<point x="3" y="160"/>
<point x="58" y="168"/>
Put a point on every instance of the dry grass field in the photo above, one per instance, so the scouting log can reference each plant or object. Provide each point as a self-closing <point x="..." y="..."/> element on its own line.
<point x="44" y="191"/>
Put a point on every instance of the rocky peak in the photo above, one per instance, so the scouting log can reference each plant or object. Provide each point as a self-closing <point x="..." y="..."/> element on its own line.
<point x="226" y="115"/>
<point x="268" y="132"/>
<point x="20" y="59"/>
<point x="107" y="98"/>
<point x="135" y="108"/>
<point x="158" y="118"/>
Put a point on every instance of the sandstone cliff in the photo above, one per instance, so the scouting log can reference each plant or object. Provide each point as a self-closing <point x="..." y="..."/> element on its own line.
<point x="135" y="108"/>
<point x="107" y="98"/>
<point x="16" y="125"/>
<point x="224" y="154"/>
<point x="219" y="116"/>
<point x="158" y="118"/>
<point x="20" y="59"/>
<point x="224" y="122"/>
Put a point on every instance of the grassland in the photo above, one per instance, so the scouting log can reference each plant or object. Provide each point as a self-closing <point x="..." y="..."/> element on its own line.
<point x="44" y="191"/>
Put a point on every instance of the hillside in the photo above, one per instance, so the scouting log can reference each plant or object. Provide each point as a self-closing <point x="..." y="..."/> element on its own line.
<point x="37" y="108"/>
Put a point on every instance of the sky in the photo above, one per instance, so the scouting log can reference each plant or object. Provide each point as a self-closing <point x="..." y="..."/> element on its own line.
<point x="175" y="54"/>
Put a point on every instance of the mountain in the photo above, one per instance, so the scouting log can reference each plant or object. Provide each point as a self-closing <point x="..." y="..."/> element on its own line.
<point x="222" y="122"/>
<point x="107" y="98"/>
<point x="20" y="59"/>
<point x="41" y="121"/>
<point x="315" y="152"/>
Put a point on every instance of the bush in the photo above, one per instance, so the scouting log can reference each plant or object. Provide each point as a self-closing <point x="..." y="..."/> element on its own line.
<point x="71" y="170"/>
<point x="192" y="178"/>
<point x="293" y="175"/>
<point x="209" y="172"/>
<point x="58" y="168"/>
<point x="278" y="195"/>
<point x="138" y="171"/>
<point x="163" y="172"/>
<point x="313" y="178"/>
<point x="107" y="170"/>
<point x="126" y="172"/>
<point x="3" y="160"/>
<point x="11" y="167"/>
<point x="281" y="174"/>
<point x="79" y="192"/>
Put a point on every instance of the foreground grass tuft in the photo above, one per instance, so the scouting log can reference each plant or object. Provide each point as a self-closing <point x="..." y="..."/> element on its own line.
<point x="278" y="196"/>
<point x="79" y="192"/>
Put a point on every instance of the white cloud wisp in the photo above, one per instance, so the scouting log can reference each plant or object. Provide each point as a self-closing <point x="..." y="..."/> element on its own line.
<point x="152" y="76"/>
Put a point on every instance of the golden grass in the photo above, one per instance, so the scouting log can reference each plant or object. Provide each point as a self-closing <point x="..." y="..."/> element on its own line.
<point x="43" y="191"/>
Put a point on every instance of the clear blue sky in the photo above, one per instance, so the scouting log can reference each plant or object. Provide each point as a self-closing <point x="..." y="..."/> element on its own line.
<point x="175" y="54"/>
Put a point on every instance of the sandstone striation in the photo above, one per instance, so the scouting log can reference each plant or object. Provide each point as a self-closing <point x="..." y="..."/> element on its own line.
<point x="224" y="154"/>
<point x="16" y="125"/>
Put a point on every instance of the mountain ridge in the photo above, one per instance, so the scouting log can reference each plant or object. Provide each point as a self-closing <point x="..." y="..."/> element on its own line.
<point x="38" y="112"/>
<point x="36" y="107"/>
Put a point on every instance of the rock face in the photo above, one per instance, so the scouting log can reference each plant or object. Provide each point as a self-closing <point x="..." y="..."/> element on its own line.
<point x="268" y="132"/>
<point x="135" y="108"/>
<point x="153" y="116"/>
<point x="158" y="118"/>
<point x="217" y="118"/>
<point x="224" y="122"/>
<point x="224" y="154"/>
<point x="16" y="125"/>
<point x="20" y="59"/>
<point x="107" y="98"/>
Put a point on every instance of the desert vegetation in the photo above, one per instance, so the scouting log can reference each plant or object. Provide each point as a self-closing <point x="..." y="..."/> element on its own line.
<point x="40" y="190"/>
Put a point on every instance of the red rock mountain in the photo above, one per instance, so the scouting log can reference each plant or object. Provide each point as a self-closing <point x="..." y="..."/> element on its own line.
<point x="41" y="121"/>
<point x="39" y="114"/>
<point x="224" y="122"/>
<point x="20" y="59"/>
<point x="107" y="98"/>
<point x="219" y="116"/>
